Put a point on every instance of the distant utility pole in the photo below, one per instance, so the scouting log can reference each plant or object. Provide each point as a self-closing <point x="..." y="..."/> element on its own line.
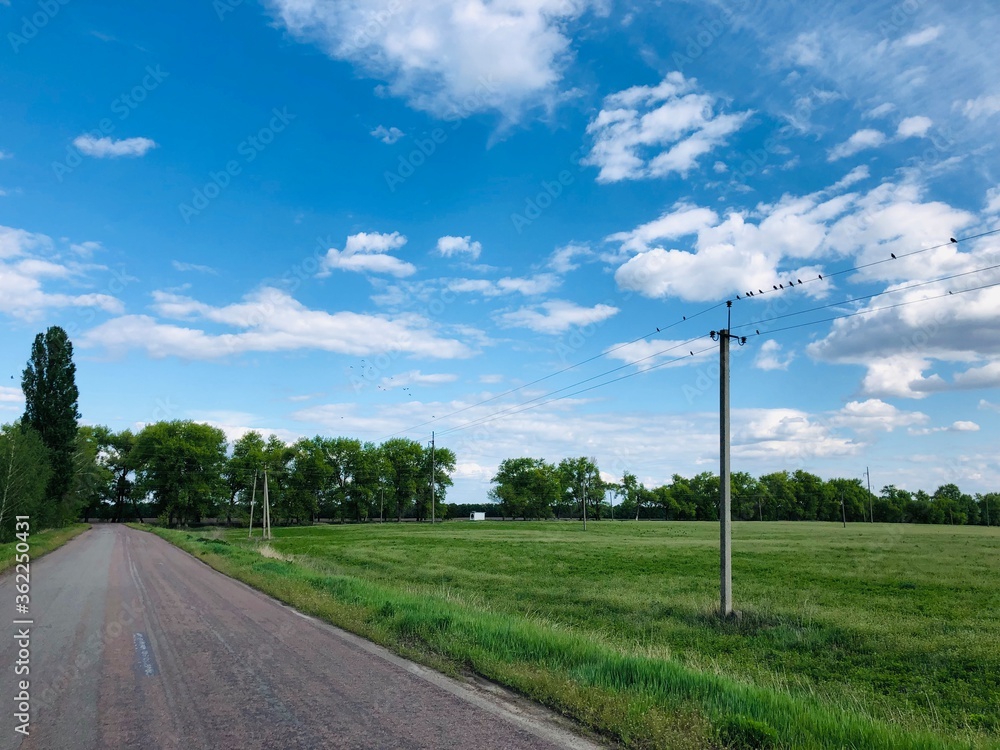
<point x="871" y="503"/>
<point x="843" y="510"/>
<point x="585" y="503"/>
<point x="725" y="494"/>
<point x="253" y="494"/>
<point x="432" y="478"/>
<point x="267" y="510"/>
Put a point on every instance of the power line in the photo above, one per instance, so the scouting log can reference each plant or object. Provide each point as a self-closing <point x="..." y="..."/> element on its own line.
<point x="780" y="286"/>
<point x="905" y="288"/>
<point x="879" y="309"/>
<point x="508" y="412"/>
<point x="660" y="329"/>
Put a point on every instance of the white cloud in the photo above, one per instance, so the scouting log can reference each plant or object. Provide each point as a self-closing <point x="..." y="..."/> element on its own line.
<point x="9" y="395"/>
<point x="6" y="155"/>
<point x="984" y="404"/>
<point x="368" y="253"/>
<point x="27" y="260"/>
<point x="561" y="260"/>
<point x="899" y="346"/>
<point x="993" y="201"/>
<point x="557" y="316"/>
<point x="922" y="37"/>
<point x="769" y="357"/>
<point x="449" y="246"/>
<point x="880" y="111"/>
<point x="416" y="377"/>
<point x="959" y="426"/>
<point x="806" y="50"/>
<point x="450" y="59"/>
<point x="186" y="267"/>
<point x="987" y="376"/>
<point x="861" y="140"/>
<point x="760" y="434"/>
<point x="527" y="285"/>
<point x="858" y="174"/>
<point x="654" y="131"/>
<point x="786" y="241"/>
<point x="103" y="148"/>
<point x="85" y="249"/>
<point x="981" y="107"/>
<point x="646" y="354"/>
<point x="269" y="320"/>
<point x="914" y="127"/>
<point x="963" y="426"/>
<point x="875" y="414"/>
<point x="388" y="136"/>
<point x="680" y="221"/>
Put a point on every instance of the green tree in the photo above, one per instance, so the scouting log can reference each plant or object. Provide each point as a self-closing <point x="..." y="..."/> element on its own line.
<point x="444" y="465"/>
<point x="277" y="461"/>
<point x="91" y="477"/>
<point x="347" y="465"/>
<point x="989" y="508"/>
<point x="310" y="478"/>
<point x="954" y="506"/>
<point x="777" y="496"/>
<point x="51" y="396"/>
<point x="890" y="506"/>
<point x="682" y="499"/>
<point x="744" y="489"/>
<point x="405" y="460"/>
<point x="580" y="478"/>
<point x="24" y="475"/>
<point x="242" y="470"/>
<point x="705" y="495"/>
<point x="180" y="465"/>
<point x="630" y="489"/>
<point x="525" y="488"/>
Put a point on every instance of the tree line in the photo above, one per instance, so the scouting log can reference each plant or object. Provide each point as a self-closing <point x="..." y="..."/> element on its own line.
<point x="183" y="472"/>
<point x="536" y="489"/>
<point x="56" y="471"/>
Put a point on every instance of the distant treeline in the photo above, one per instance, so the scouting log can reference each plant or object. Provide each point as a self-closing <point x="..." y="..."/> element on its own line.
<point x="54" y="470"/>
<point x="534" y="488"/>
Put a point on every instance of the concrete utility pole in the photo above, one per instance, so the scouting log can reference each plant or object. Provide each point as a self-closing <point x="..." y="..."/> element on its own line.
<point x="585" y="503"/>
<point x="843" y="510"/>
<point x="725" y="495"/>
<point x="267" y="510"/>
<point x="871" y="503"/>
<point x="253" y="494"/>
<point x="432" y="478"/>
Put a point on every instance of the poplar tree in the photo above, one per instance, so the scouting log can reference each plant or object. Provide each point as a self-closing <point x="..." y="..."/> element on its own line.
<point x="50" y="395"/>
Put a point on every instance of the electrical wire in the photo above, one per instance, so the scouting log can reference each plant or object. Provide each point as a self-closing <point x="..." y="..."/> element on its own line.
<point x="660" y="329"/>
<point x="877" y="309"/>
<point x="497" y="415"/>
<point x="874" y="295"/>
<point x="780" y="286"/>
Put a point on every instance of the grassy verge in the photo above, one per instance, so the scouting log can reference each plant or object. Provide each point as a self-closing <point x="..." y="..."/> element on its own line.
<point x="633" y="693"/>
<point x="41" y="543"/>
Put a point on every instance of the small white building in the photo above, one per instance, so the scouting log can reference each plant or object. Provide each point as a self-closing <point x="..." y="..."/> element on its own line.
<point x="477" y="516"/>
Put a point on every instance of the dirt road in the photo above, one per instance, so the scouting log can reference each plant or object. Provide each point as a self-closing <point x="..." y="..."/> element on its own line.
<point x="136" y="644"/>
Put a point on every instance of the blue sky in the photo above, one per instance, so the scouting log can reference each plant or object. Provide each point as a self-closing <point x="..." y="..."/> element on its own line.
<point x="375" y="217"/>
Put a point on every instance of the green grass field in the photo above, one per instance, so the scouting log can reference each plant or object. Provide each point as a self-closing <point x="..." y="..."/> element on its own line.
<point x="869" y="636"/>
<point x="41" y="543"/>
